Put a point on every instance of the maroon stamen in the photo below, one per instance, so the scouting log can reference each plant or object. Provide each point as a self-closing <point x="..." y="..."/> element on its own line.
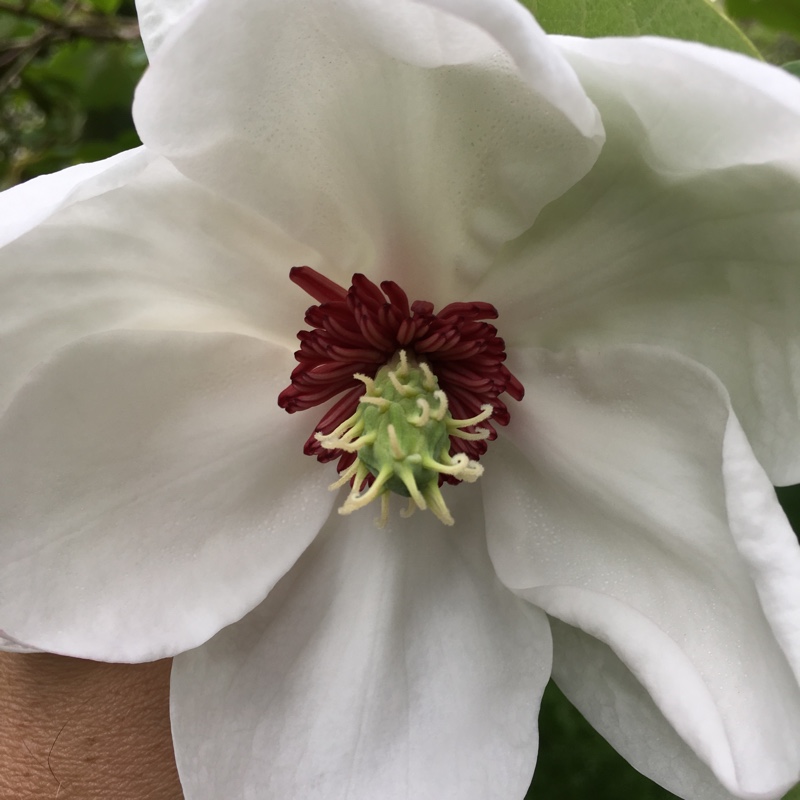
<point x="361" y="329"/>
<point x="322" y="289"/>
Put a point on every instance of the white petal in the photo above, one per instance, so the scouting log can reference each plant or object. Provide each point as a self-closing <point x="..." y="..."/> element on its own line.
<point x="10" y="645"/>
<point x="157" y="18"/>
<point x="151" y="492"/>
<point x="620" y="511"/>
<point x="518" y="33"/>
<point x="24" y="206"/>
<point x="703" y="108"/>
<point x="685" y="233"/>
<point x="387" y="664"/>
<point x="593" y="677"/>
<point x="157" y="253"/>
<point x="755" y="517"/>
<point x="397" y="139"/>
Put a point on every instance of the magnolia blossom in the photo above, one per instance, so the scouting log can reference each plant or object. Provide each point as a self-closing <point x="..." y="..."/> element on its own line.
<point x="630" y="208"/>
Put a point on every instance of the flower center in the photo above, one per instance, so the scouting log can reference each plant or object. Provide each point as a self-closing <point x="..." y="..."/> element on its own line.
<point x="415" y="387"/>
<point x="401" y="433"/>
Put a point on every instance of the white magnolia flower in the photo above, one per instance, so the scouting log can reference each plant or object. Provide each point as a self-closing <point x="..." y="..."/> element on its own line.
<point x="631" y="208"/>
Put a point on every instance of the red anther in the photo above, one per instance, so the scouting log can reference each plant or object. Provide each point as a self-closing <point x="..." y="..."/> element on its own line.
<point x="502" y="416"/>
<point x="365" y="290"/>
<point x="422" y="307"/>
<point x="512" y="384"/>
<point x="325" y="373"/>
<point x="388" y="317"/>
<point x="460" y="350"/>
<point x="372" y="332"/>
<point x="351" y="354"/>
<point x="343" y="333"/>
<point x="322" y="289"/>
<point x="474" y="310"/>
<point x="405" y="332"/>
<point x="433" y="342"/>
<point x="360" y="329"/>
<point x="397" y="297"/>
<point x="341" y="410"/>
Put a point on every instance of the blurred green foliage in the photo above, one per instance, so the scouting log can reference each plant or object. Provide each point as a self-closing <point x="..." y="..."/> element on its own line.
<point x="67" y="74"/>
<point x="576" y="763"/>
<point x="696" y="20"/>
<point x="781" y="15"/>
<point x="773" y="26"/>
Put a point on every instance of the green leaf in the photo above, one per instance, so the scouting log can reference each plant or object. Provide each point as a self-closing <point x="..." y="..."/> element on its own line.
<point x="53" y="9"/>
<point x="106" y="6"/>
<point x="101" y="76"/>
<point x="695" y="20"/>
<point x="13" y="27"/>
<point x="783" y="15"/>
<point x="794" y="794"/>
<point x="789" y="497"/>
<point x="793" y="67"/>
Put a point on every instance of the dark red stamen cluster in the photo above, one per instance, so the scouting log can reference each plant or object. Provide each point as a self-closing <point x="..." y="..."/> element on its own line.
<point x="361" y="329"/>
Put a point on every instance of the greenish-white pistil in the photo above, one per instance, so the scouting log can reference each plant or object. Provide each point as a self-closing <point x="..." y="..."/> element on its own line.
<point x="401" y="434"/>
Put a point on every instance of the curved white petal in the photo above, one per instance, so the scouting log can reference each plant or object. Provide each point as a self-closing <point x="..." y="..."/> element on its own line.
<point x="397" y="139"/>
<point x="157" y="18"/>
<point x="631" y="508"/>
<point x="518" y="33"/>
<point x="151" y="492"/>
<point x="158" y="253"/>
<point x="24" y="206"/>
<point x="10" y="645"/>
<point x="599" y="684"/>
<point x="685" y="233"/>
<point x="706" y="108"/>
<point x="387" y="664"/>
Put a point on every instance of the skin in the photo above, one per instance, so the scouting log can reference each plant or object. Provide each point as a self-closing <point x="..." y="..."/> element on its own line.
<point x="82" y="730"/>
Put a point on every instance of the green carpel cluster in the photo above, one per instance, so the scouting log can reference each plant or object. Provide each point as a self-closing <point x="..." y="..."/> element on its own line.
<point x="401" y="434"/>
